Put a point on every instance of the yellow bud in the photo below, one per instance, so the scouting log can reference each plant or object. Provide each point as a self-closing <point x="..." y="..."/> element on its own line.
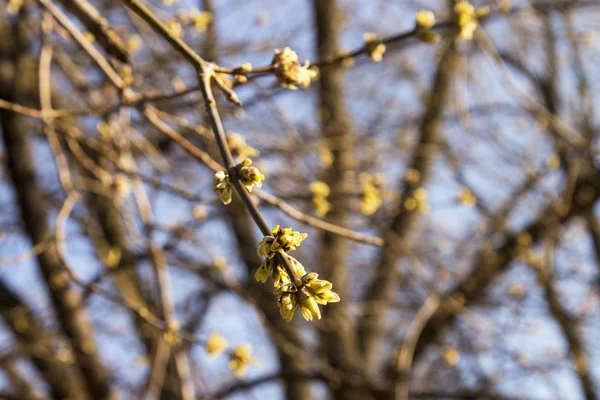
<point x="329" y="296"/>
<point x="309" y="303"/>
<point x="319" y="286"/>
<point x="263" y="272"/>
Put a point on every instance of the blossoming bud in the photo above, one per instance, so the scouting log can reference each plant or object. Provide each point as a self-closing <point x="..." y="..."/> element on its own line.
<point x="249" y="175"/>
<point x="223" y="187"/>
<point x="289" y="72"/>
<point x="263" y="272"/>
<point x="310" y="308"/>
<point x="287" y="305"/>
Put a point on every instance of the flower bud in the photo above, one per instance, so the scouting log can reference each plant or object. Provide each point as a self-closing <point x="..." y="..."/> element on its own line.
<point x="310" y="308"/>
<point x="263" y="272"/>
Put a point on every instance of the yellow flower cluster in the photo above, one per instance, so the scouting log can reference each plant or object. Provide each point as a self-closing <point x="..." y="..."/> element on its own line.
<point x="320" y="191"/>
<point x="239" y="148"/>
<point x="319" y="293"/>
<point x="281" y="241"/>
<point x="425" y="21"/>
<point x="289" y="72"/>
<point x="375" y="48"/>
<point x="467" y="18"/>
<point x="240" y="358"/>
<point x="290" y="296"/>
<point x="249" y="176"/>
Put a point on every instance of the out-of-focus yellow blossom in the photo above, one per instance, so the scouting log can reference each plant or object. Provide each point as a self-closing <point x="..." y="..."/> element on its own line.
<point x="320" y="188"/>
<point x="215" y="344"/>
<point x="14" y="6"/>
<point x="223" y="187"/>
<point x="170" y="335"/>
<point x="134" y="43"/>
<point x="121" y="185"/>
<point x="239" y="148"/>
<point x="89" y="36"/>
<point x="201" y="20"/>
<point x="220" y="263"/>
<point x="105" y="130"/>
<point x="326" y="156"/>
<point x="175" y="28"/>
<point x="467" y="198"/>
<point x="178" y="83"/>
<point x="425" y="21"/>
<point x="199" y="212"/>
<point x="553" y="162"/>
<point x="504" y="6"/>
<point x="451" y="356"/>
<point x="371" y="198"/>
<point x="240" y="358"/>
<point x="467" y="18"/>
<point x="127" y="75"/>
<point x="422" y="202"/>
<point x="289" y="72"/>
<point x="348" y="62"/>
<point x="417" y="201"/>
<point x="250" y="176"/>
<point x="375" y="48"/>
<point x="517" y="290"/>
<point x="320" y="191"/>
<point x="412" y="176"/>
